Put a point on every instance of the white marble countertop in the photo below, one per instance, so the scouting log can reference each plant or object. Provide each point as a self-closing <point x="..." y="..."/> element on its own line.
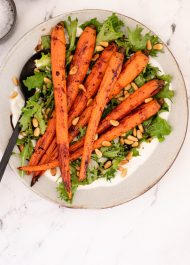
<point x="153" y="229"/>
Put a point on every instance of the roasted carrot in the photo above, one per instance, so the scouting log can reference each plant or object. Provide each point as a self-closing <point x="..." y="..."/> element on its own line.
<point x="112" y="72"/>
<point x="91" y="84"/>
<point x="135" y="118"/>
<point x="80" y="63"/>
<point x="132" y="68"/>
<point x="58" y="54"/>
<point x="133" y="101"/>
<point x="43" y="142"/>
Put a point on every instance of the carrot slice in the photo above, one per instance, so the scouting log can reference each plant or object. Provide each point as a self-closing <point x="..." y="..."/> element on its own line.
<point x="58" y="54"/>
<point x="135" y="118"/>
<point x="80" y="63"/>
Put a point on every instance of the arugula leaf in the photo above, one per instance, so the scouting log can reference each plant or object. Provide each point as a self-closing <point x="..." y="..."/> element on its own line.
<point x="43" y="62"/>
<point x="110" y="30"/>
<point x="46" y="42"/>
<point x="93" y="22"/>
<point x="158" y="128"/>
<point x="34" y="81"/>
<point x="42" y="124"/>
<point x="26" y="154"/>
<point x="165" y="93"/>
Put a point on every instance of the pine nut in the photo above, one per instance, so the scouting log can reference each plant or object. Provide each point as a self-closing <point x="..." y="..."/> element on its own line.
<point x="107" y="164"/>
<point x="37" y="132"/>
<point x="104" y="43"/>
<point x="141" y="128"/>
<point x="114" y="123"/>
<point x="127" y="87"/>
<point x="135" y="144"/>
<point x="36" y="70"/>
<point x="126" y="94"/>
<point x="119" y="95"/>
<point x="73" y="70"/>
<point x="47" y="80"/>
<point x="121" y="140"/>
<point x="134" y="86"/>
<point x="96" y="137"/>
<point x="89" y="102"/>
<point x="148" y="100"/>
<point x="35" y="122"/>
<point x="158" y="46"/>
<point x="124" y="162"/>
<point x="135" y="132"/>
<point x="77" y="168"/>
<point x="99" y="48"/>
<point x="95" y="57"/>
<point x="78" y="173"/>
<point x="139" y="134"/>
<point x="128" y="142"/>
<point x="149" y="45"/>
<point x="121" y="98"/>
<point x="98" y="153"/>
<point x="14" y="94"/>
<point x="23" y="134"/>
<point x="53" y="171"/>
<point x="75" y="121"/>
<point x="132" y="138"/>
<point x="129" y="156"/>
<point x="124" y="172"/>
<point x="15" y="80"/>
<point x="106" y="143"/>
<point x="70" y="58"/>
<point x="81" y="87"/>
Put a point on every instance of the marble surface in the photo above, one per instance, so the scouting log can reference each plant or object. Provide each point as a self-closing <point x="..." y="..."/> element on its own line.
<point x="152" y="229"/>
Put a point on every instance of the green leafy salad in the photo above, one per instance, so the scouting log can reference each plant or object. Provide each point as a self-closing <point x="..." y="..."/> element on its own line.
<point x="113" y="156"/>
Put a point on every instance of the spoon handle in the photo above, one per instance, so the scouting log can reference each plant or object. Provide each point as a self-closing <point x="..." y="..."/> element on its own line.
<point x="9" y="149"/>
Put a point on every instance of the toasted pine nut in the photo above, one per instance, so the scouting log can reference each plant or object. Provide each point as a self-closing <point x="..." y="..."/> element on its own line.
<point x="106" y="143"/>
<point x="119" y="95"/>
<point x="47" y="80"/>
<point x="107" y="164"/>
<point x="75" y="121"/>
<point x="141" y="128"/>
<point x="15" y="80"/>
<point x="135" y="132"/>
<point x="121" y="140"/>
<point x="14" y="94"/>
<point x="99" y="48"/>
<point x="23" y="134"/>
<point x="70" y="58"/>
<point x="126" y="94"/>
<point x="121" y="98"/>
<point x="158" y="46"/>
<point x="96" y="137"/>
<point x="135" y="144"/>
<point x="124" y="162"/>
<point x="134" y="86"/>
<point x="98" y="153"/>
<point x="95" y="57"/>
<point x="149" y="45"/>
<point x="37" y="132"/>
<point x="148" y="100"/>
<point x="36" y="70"/>
<point x="114" y="123"/>
<point x="127" y="87"/>
<point x="132" y="138"/>
<point x="78" y="173"/>
<point x="81" y="87"/>
<point x="89" y="102"/>
<point x="139" y="134"/>
<point x="124" y="172"/>
<point x="73" y="70"/>
<point x="53" y="171"/>
<point x="129" y="156"/>
<point x="128" y="142"/>
<point x="104" y="43"/>
<point x="35" y="122"/>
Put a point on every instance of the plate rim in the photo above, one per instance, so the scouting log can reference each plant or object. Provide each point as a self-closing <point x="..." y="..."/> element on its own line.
<point x="186" y="101"/>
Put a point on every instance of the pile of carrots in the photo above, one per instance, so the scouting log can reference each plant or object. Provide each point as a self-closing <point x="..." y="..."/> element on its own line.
<point x="80" y="101"/>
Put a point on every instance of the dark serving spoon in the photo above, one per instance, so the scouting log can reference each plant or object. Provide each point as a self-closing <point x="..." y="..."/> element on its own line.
<point x="27" y="70"/>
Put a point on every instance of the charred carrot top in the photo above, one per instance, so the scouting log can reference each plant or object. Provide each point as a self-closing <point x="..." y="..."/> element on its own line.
<point x="112" y="72"/>
<point x="92" y="83"/>
<point x="135" y="118"/>
<point x="58" y="52"/>
<point x="134" y="100"/>
<point x="80" y="63"/>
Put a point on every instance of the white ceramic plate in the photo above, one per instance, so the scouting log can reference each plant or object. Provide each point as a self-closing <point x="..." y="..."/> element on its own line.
<point x="143" y="171"/>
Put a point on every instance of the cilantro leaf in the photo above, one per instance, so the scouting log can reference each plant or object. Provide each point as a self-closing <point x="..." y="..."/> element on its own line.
<point x="46" y="42"/>
<point x="43" y="62"/>
<point x="136" y="39"/>
<point x="110" y="30"/>
<point x="93" y="22"/>
<point x="159" y="128"/>
<point x="34" y="81"/>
